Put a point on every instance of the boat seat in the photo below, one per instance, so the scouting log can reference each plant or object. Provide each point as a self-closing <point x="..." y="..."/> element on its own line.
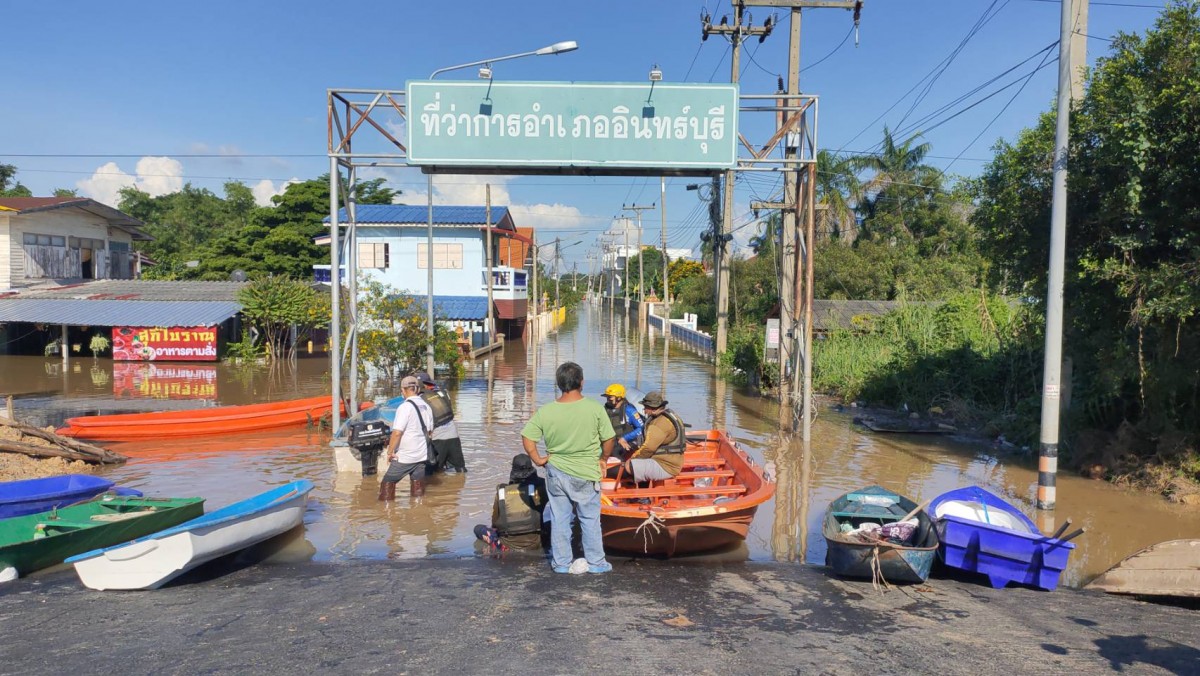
<point x="60" y="523"/>
<point x="674" y="492"/>
<point x="699" y="474"/>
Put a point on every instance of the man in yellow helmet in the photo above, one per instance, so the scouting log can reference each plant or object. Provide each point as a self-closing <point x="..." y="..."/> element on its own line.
<point x="624" y="416"/>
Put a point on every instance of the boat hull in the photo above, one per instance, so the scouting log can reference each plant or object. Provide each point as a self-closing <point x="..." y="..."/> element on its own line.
<point x="31" y="496"/>
<point x="19" y="549"/>
<point x="218" y="420"/>
<point x="153" y="561"/>
<point x="848" y="557"/>
<point x="1169" y="569"/>
<point x="688" y="518"/>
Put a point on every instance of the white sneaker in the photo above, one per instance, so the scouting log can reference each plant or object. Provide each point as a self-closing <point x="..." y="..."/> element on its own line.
<point x="578" y="567"/>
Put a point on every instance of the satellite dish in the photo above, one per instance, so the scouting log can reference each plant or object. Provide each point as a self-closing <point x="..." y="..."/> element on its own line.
<point x="237" y="276"/>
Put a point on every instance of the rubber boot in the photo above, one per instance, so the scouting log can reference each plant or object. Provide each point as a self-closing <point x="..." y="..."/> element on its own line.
<point x="417" y="490"/>
<point x="387" y="491"/>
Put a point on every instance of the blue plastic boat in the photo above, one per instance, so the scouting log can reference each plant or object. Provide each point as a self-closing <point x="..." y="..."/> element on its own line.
<point x="981" y="533"/>
<point x="32" y="496"/>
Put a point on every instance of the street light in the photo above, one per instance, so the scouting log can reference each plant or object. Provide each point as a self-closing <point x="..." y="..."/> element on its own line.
<point x="556" y="48"/>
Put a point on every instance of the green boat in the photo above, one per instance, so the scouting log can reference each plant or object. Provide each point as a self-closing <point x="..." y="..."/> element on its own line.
<point x="35" y="541"/>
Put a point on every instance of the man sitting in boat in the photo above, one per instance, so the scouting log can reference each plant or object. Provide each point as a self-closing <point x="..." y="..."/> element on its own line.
<point x="625" y="419"/>
<point x="518" y="511"/>
<point x="660" y="456"/>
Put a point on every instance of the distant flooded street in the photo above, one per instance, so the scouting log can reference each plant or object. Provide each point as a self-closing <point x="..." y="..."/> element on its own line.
<point x="494" y="399"/>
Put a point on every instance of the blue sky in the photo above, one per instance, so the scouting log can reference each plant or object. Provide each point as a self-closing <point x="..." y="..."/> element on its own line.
<point x="100" y="95"/>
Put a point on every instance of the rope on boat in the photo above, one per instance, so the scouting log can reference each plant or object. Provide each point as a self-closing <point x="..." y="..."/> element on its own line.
<point x="654" y="521"/>
<point x="877" y="572"/>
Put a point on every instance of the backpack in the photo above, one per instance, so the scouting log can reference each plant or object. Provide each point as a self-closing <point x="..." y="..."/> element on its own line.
<point x="439" y="401"/>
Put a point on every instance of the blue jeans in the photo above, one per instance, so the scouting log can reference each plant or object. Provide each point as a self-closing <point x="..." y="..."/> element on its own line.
<point x="571" y="496"/>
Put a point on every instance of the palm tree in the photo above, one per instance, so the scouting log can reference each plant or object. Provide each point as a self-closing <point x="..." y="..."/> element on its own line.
<point x="900" y="174"/>
<point x="838" y="191"/>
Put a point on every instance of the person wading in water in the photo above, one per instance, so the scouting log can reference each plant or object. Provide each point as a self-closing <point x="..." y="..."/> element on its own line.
<point x="408" y="447"/>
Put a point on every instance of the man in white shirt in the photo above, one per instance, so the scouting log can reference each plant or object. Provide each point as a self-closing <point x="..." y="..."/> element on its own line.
<point x="408" y="447"/>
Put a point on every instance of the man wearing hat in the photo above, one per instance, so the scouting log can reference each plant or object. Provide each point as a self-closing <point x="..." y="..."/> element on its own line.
<point x="661" y="454"/>
<point x="447" y="445"/>
<point x="407" y="448"/>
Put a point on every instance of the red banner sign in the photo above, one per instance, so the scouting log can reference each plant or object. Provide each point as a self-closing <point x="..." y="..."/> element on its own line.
<point x="176" y="343"/>
<point x="175" y="381"/>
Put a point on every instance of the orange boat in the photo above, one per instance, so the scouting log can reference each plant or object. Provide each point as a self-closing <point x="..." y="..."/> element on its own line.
<point x="708" y="506"/>
<point x="217" y="420"/>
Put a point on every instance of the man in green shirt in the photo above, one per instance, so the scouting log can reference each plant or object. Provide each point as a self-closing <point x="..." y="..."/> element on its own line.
<point x="579" y="439"/>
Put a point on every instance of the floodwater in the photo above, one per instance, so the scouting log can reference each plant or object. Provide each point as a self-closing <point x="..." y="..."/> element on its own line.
<point x="492" y="402"/>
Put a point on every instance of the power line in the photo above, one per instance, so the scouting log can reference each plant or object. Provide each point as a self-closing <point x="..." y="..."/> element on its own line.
<point x="835" y="50"/>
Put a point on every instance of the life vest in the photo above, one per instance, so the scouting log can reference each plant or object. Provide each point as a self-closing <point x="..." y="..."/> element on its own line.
<point x="439" y="401"/>
<point x="518" y="508"/>
<point x="679" y="443"/>
<point x="619" y="417"/>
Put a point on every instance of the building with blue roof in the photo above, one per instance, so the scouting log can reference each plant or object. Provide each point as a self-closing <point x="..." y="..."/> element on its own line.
<point x="393" y="249"/>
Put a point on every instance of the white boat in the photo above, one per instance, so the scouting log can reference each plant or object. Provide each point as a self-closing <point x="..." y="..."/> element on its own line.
<point x="152" y="561"/>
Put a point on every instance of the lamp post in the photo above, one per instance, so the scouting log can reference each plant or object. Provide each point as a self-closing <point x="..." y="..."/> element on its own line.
<point x="556" y="48"/>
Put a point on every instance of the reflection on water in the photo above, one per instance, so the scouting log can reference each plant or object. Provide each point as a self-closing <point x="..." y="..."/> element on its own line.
<point x="495" y="398"/>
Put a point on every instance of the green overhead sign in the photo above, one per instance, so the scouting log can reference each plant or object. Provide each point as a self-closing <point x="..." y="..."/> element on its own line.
<point x="680" y="127"/>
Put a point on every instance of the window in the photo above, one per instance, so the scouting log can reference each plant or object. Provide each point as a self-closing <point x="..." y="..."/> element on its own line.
<point x="373" y="255"/>
<point x="44" y="240"/>
<point x="445" y="256"/>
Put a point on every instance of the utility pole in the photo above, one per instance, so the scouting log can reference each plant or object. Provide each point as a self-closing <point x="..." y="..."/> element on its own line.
<point x="491" y="323"/>
<point x="625" y="270"/>
<point x="1052" y="367"/>
<point x="795" y="292"/>
<point x="662" y="186"/>
<point x="1079" y="39"/>
<point x="533" y="250"/>
<point x="575" y="276"/>
<point x="736" y="31"/>
<point x="556" y="275"/>
<point x="641" y="268"/>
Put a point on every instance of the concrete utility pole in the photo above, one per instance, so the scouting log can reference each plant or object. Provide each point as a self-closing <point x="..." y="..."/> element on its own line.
<point x="736" y="31"/>
<point x="335" y="286"/>
<point x="1078" y="47"/>
<point x="556" y="274"/>
<point x="641" y="268"/>
<point x="491" y="320"/>
<point x="429" y="333"/>
<point x="625" y="270"/>
<point x="662" y="186"/>
<point x="795" y="292"/>
<point x="1052" y="367"/>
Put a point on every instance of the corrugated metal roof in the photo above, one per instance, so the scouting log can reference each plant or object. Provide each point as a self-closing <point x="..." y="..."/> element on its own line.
<point x="76" y="312"/>
<point x="419" y="215"/>
<point x="456" y="307"/>
<point x="131" y="289"/>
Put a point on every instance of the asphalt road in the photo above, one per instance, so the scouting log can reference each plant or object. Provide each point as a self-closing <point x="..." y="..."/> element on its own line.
<point x="514" y="616"/>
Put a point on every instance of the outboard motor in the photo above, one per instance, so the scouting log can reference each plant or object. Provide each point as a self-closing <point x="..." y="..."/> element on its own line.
<point x="367" y="439"/>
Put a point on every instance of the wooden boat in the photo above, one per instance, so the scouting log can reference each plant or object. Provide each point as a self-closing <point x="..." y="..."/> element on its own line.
<point x="708" y="506"/>
<point x="866" y="557"/>
<point x="981" y="533"/>
<point x="35" y="541"/>
<point x="152" y="561"/>
<point x="31" y="496"/>
<point x="216" y="420"/>
<point x="1169" y="568"/>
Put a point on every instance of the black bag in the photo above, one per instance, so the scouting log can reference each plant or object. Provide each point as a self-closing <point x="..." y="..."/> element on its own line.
<point x="430" y="453"/>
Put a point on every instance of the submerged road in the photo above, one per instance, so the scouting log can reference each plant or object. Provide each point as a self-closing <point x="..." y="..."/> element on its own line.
<point x="515" y="616"/>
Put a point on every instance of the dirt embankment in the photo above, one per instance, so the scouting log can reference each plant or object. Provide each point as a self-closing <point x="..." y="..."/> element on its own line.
<point x="14" y="467"/>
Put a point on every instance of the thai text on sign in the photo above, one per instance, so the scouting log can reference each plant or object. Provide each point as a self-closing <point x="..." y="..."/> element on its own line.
<point x="149" y="381"/>
<point x="570" y="124"/>
<point x="175" y="343"/>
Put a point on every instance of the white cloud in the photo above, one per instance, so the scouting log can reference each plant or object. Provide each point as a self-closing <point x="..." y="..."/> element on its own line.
<point x="153" y="175"/>
<point x="265" y="189"/>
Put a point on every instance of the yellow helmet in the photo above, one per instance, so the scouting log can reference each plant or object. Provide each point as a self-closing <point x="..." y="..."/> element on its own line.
<point x="615" y="390"/>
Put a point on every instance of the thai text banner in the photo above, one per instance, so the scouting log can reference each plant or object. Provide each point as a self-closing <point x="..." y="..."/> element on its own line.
<point x="573" y="124"/>
<point x="174" y="343"/>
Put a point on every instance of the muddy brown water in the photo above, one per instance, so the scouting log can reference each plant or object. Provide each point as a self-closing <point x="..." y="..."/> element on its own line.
<point x="492" y="402"/>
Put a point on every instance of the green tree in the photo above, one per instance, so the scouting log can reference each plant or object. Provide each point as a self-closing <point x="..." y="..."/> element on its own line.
<point x="277" y="305"/>
<point x="838" y="190"/>
<point x="1133" y="239"/>
<point x="9" y="185"/>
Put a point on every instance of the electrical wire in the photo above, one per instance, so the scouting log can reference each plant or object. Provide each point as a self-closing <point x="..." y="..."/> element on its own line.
<point x="835" y="50"/>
